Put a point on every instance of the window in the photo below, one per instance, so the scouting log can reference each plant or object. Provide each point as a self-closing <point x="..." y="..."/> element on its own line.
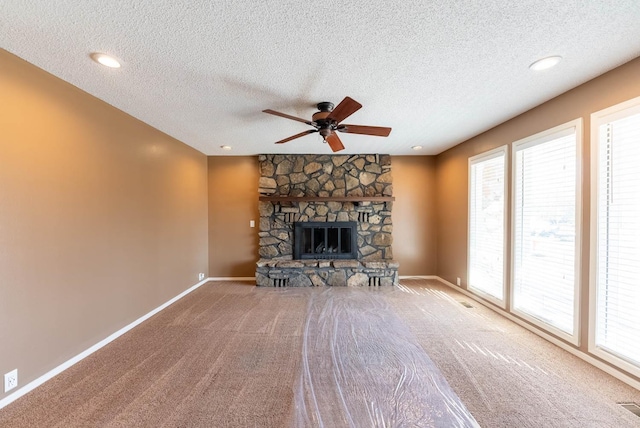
<point x="546" y="211"/>
<point x="487" y="223"/>
<point x="615" y="234"/>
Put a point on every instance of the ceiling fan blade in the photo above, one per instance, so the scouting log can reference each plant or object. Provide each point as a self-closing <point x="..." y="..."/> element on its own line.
<point x="346" y="108"/>
<point x="378" y="131"/>
<point x="287" y="116"/>
<point x="293" y="137"/>
<point x="334" y="142"/>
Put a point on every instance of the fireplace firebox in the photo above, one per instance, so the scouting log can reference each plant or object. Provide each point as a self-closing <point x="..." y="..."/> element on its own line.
<point x="325" y="240"/>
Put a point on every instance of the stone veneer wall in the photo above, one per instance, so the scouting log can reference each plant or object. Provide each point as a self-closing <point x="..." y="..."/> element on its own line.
<point x="326" y="176"/>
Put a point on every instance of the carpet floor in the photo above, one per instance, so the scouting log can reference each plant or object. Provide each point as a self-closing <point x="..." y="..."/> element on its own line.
<point x="236" y="355"/>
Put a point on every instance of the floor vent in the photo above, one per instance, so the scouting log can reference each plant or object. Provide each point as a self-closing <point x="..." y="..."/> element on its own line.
<point x="466" y="304"/>
<point x="632" y="407"/>
<point x="280" y="282"/>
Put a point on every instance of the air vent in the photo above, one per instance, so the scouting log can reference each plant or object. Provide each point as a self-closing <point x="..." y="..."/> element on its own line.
<point x="374" y="281"/>
<point x="466" y="304"/>
<point x="280" y="282"/>
<point x="632" y="407"/>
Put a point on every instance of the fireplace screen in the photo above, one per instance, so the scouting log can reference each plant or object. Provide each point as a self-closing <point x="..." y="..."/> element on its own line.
<point x="332" y="240"/>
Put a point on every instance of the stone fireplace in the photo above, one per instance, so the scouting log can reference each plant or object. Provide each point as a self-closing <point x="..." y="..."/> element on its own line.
<point x="326" y="220"/>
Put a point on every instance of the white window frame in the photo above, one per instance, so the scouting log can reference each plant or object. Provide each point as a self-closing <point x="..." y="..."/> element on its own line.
<point x="491" y="154"/>
<point x="609" y="114"/>
<point x="539" y="138"/>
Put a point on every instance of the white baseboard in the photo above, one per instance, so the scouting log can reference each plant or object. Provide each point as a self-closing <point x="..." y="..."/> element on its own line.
<point x="578" y="353"/>
<point x="233" y="278"/>
<point x="418" y="277"/>
<point x="62" y="367"/>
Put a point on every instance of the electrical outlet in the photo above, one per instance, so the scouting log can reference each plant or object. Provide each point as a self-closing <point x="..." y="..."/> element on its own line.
<point x="10" y="380"/>
<point x="252" y="223"/>
<point x="458" y="281"/>
<point x="201" y="276"/>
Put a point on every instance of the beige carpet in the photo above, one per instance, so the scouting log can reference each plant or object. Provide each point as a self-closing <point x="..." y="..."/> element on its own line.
<point x="234" y="355"/>
<point x="362" y="366"/>
<point x="506" y="375"/>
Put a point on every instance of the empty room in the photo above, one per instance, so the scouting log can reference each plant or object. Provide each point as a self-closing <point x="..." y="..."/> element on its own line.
<point x="280" y="214"/>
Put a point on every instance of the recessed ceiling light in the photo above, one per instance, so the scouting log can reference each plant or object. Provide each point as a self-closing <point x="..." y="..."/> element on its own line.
<point x="416" y="147"/>
<point x="544" y="63"/>
<point x="105" y="60"/>
<point x="225" y="147"/>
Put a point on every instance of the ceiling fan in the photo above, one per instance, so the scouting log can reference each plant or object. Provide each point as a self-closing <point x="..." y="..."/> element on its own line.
<point x="327" y="120"/>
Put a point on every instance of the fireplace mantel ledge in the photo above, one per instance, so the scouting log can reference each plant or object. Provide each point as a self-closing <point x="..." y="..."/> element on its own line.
<point x="356" y="199"/>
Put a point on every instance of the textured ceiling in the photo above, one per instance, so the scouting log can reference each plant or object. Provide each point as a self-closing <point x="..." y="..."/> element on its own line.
<point x="437" y="72"/>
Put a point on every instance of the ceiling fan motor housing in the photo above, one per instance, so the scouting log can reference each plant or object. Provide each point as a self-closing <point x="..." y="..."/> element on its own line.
<point x="320" y="118"/>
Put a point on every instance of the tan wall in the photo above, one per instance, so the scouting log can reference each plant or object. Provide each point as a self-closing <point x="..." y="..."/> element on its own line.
<point x="414" y="214"/>
<point x="102" y="219"/>
<point x="611" y="88"/>
<point x="233" y="203"/>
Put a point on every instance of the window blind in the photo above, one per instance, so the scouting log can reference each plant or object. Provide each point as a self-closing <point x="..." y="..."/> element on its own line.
<point x="544" y="241"/>
<point x="486" y="223"/>
<point x="617" y="328"/>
